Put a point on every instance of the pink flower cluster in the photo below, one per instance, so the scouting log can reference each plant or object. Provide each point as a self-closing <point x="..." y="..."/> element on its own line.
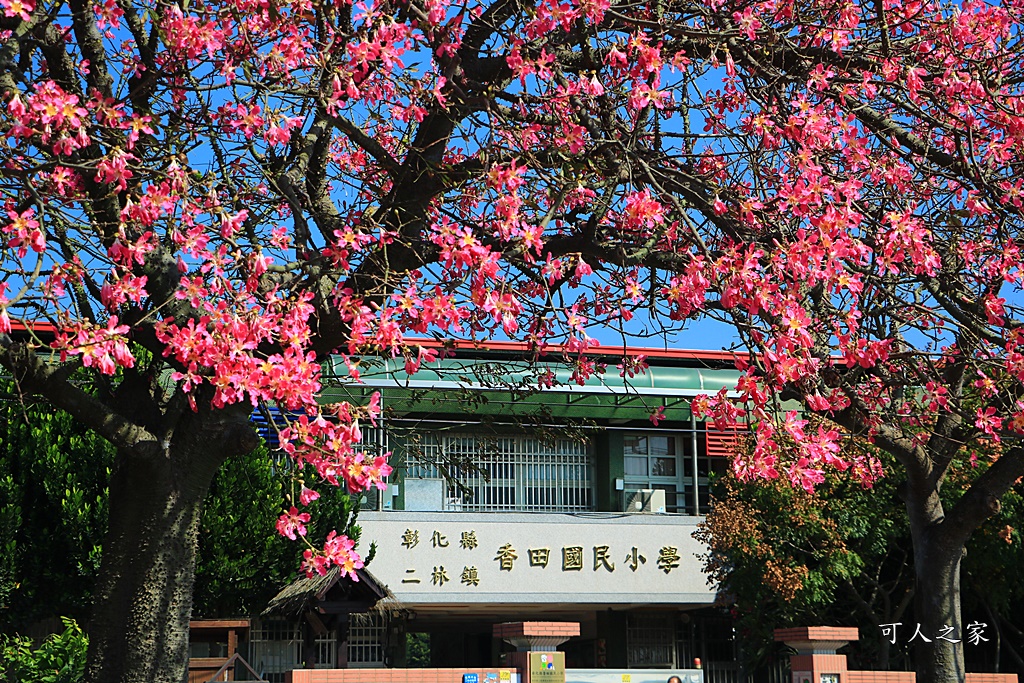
<point x="339" y="551"/>
<point x="23" y="232"/>
<point x="52" y="114"/>
<point x="101" y="347"/>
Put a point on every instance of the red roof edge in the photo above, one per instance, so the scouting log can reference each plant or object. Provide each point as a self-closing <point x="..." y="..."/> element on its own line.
<point x="616" y="350"/>
<point x="39" y="327"/>
<point x="521" y="348"/>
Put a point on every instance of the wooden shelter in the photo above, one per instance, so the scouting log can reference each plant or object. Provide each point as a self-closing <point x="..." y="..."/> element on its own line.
<point x="328" y="602"/>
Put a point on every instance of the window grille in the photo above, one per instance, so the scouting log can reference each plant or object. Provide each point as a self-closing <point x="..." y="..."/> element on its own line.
<point x="326" y="645"/>
<point x="366" y="642"/>
<point x="374" y="443"/>
<point x="502" y="473"/>
<point x="275" y="647"/>
<point x="650" y="641"/>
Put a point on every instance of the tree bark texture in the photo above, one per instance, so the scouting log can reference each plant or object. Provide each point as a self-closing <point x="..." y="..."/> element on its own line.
<point x="938" y="550"/>
<point x="143" y="603"/>
<point x="938" y="610"/>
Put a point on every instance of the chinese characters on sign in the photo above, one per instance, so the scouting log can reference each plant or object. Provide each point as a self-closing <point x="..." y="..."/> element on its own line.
<point x="410" y="539"/>
<point x="634" y="559"/>
<point x="439" y="577"/>
<point x="975" y="633"/>
<point x="668" y="558"/>
<point x="470" y="577"/>
<point x="601" y="558"/>
<point x="506" y="557"/>
<point x="574" y="558"/>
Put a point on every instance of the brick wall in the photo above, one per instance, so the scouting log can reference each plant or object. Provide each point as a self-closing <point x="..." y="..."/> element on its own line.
<point x="991" y="678"/>
<point x="880" y="677"/>
<point x="389" y="675"/>
<point x="455" y="676"/>
<point x="910" y="677"/>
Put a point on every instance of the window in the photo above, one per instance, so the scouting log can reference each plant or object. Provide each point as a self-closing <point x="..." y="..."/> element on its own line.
<point x="508" y="472"/>
<point x="275" y="647"/>
<point x="650" y="641"/>
<point x="652" y="461"/>
<point x="366" y="642"/>
<point x="374" y="443"/>
<point x="666" y="461"/>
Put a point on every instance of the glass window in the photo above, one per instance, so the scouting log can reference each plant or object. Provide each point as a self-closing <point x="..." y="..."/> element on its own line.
<point x="636" y="466"/>
<point x="651" y="461"/>
<point x="498" y="473"/>
<point x="666" y="461"/>
<point x="663" y="445"/>
<point x="663" y="467"/>
<point x="635" y="445"/>
<point x="673" y="501"/>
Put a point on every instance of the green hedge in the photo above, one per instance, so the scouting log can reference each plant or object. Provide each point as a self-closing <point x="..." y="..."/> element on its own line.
<point x="58" y="659"/>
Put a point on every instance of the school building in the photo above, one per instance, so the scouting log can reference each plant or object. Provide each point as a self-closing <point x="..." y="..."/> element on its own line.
<point x="516" y="503"/>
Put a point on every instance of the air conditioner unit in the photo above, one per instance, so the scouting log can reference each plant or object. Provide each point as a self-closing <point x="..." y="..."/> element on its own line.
<point x="646" y="500"/>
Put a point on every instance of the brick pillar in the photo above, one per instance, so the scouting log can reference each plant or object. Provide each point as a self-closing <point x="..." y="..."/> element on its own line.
<point x="816" y="660"/>
<point x="520" y="661"/>
<point x="536" y="636"/>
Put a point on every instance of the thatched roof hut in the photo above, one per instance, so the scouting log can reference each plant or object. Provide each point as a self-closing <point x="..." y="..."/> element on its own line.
<point x="331" y="603"/>
<point x="330" y="594"/>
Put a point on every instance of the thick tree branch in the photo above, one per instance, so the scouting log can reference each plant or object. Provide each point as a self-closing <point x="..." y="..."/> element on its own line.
<point x="36" y="376"/>
<point x="981" y="500"/>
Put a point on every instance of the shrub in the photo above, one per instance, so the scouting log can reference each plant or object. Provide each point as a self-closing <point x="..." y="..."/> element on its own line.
<point x="58" y="659"/>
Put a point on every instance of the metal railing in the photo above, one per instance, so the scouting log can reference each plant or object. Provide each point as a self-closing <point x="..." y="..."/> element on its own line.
<point x="731" y="672"/>
<point x="506" y="473"/>
<point x="365" y="644"/>
<point x="275" y="647"/>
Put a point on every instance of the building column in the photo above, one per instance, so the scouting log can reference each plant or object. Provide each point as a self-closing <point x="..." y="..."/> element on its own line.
<point x="536" y="643"/>
<point x="816" y="660"/>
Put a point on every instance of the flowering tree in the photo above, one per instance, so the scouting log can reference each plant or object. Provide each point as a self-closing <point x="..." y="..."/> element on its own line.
<point x="843" y="556"/>
<point x="206" y="198"/>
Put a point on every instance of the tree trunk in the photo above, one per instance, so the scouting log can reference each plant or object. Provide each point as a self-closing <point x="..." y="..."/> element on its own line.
<point x="143" y="602"/>
<point x="882" y="661"/>
<point x="937" y="568"/>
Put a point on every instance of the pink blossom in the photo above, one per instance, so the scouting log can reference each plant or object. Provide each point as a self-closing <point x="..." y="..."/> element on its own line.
<point x="292" y="522"/>
<point x="988" y="422"/>
<point x="307" y="495"/>
<point x="18" y="8"/>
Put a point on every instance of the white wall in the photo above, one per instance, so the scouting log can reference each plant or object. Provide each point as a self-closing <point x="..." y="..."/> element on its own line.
<point x="414" y="571"/>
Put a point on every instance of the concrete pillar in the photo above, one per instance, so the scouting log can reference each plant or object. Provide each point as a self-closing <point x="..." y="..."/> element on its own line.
<point x="536" y="640"/>
<point x="816" y="660"/>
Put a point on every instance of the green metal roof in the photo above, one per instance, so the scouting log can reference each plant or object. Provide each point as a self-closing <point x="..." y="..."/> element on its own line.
<point x="489" y="387"/>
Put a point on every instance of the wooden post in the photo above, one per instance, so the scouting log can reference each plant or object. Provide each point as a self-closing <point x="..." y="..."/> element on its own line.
<point x="232" y="649"/>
